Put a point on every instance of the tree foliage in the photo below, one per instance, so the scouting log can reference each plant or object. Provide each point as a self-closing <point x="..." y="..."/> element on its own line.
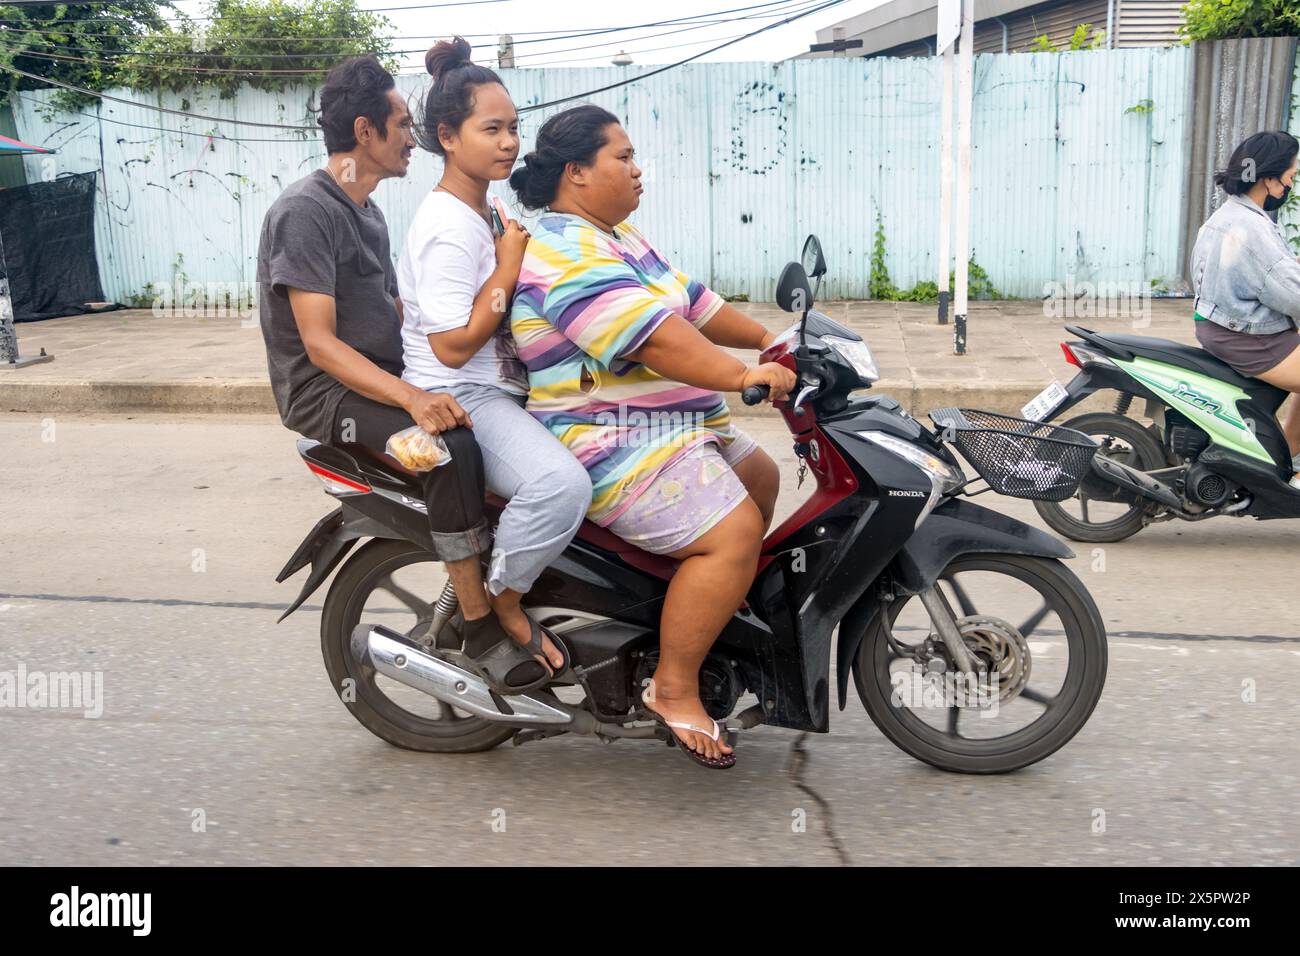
<point x="74" y="44"/>
<point x="1230" y="19"/>
<point x="266" y="43"/>
<point x="1080" y="39"/>
<point x="148" y="45"/>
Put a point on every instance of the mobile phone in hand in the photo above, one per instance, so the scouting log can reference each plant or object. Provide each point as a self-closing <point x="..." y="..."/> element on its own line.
<point x="499" y="216"/>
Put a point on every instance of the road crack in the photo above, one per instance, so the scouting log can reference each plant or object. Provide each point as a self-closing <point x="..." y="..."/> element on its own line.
<point x="798" y="757"/>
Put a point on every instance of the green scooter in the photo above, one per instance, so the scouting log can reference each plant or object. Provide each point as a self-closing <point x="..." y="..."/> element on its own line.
<point x="1214" y="446"/>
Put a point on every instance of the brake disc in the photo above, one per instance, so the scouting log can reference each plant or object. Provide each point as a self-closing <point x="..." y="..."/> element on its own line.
<point x="1001" y="648"/>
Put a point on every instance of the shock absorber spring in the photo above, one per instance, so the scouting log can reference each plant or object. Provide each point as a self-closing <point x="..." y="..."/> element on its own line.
<point x="444" y="609"/>
<point x="1122" y="403"/>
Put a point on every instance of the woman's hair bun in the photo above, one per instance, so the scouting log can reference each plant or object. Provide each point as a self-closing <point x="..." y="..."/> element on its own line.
<point x="449" y="100"/>
<point x="573" y="136"/>
<point x="523" y="178"/>
<point x="445" y="55"/>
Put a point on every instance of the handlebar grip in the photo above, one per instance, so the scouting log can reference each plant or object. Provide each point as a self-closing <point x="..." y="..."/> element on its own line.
<point x="754" y="394"/>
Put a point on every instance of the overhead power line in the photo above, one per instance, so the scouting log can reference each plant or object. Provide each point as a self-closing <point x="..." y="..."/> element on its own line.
<point x="527" y="109"/>
<point x="149" y="106"/>
<point x="215" y="134"/>
<point x="542" y="36"/>
<point x="46" y="54"/>
<point x="275" y="16"/>
<point x="672" y="66"/>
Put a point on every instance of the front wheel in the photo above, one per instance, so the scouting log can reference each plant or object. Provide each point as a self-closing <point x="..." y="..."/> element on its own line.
<point x="1038" y="640"/>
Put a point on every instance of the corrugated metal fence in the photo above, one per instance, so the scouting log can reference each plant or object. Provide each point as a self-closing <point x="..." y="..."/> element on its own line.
<point x="1079" y="163"/>
<point x="1238" y="87"/>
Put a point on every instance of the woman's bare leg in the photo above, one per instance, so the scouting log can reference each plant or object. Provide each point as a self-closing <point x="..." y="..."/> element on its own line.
<point x="762" y="479"/>
<point x="1291" y="425"/>
<point x="705" y="591"/>
<point x="1286" y="374"/>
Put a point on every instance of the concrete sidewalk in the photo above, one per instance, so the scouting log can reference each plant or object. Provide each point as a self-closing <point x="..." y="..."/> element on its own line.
<point x="133" y="361"/>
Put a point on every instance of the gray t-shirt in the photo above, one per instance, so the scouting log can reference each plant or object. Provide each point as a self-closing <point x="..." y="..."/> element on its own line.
<point x="316" y="239"/>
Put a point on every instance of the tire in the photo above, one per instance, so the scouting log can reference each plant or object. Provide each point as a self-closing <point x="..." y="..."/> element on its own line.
<point x="1149" y="454"/>
<point x="1080" y="691"/>
<point x="375" y="711"/>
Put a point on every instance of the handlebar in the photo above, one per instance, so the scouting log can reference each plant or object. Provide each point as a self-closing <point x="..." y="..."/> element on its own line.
<point x="754" y="394"/>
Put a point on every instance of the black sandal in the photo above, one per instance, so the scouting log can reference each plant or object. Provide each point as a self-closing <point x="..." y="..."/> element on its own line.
<point x="507" y="666"/>
<point x="535" y="647"/>
<point x="486" y="649"/>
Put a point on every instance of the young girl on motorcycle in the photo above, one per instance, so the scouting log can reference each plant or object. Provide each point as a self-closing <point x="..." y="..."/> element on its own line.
<point x="456" y="278"/>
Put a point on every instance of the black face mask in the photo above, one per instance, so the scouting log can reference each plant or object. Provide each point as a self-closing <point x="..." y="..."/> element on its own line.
<point x="1274" y="202"/>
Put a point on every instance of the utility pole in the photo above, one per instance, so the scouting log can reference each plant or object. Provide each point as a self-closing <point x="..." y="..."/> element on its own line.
<point x="965" y="90"/>
<point x="949" y="26"/>
<point x="8" y="337"/>
<point x="506" y="52"/>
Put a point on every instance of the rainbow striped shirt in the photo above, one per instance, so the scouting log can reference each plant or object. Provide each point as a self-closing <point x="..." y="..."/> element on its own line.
<point x="584" y="300"/>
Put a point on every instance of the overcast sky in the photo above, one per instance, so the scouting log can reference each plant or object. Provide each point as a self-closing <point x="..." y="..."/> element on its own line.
<point x="526" y="20"/>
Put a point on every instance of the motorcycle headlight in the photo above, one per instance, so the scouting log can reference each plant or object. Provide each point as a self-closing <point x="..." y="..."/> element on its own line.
<point x="943" y="476"/>
<point x="856" y="353"/>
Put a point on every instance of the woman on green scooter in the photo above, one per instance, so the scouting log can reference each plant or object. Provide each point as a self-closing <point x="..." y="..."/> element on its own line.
<point x="1246" y="277"/>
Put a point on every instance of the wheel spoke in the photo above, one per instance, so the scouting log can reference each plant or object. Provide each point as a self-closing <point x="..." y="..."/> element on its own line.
<point x="963" y="599"/>
<point x="953" y="714"/>
<point x="1034" y="620"/>
<point x="1083" y="505"/>
<point x="421" y="609"/>
<point x="1038" y="697"/>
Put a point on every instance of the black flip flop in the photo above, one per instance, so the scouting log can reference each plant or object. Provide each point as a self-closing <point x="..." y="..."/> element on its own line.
<point x="725" y="762"/>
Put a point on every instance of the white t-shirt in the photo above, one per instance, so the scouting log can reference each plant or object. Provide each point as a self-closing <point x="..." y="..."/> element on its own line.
<point x="447" y="257"/>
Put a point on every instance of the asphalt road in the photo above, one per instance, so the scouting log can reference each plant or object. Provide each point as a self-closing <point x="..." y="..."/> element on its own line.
<point x="145" y="549"/>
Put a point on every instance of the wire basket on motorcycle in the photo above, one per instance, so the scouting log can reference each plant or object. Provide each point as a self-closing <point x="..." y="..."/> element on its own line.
<point x="1017" y="457"/>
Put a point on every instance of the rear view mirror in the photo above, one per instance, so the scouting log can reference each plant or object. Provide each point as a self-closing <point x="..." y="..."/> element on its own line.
<point x="793" y="293"/>
<point x="814" y="263"/>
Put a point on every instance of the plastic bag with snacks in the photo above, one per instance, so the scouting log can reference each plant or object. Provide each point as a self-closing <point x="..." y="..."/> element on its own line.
<point x="417" y="450"/>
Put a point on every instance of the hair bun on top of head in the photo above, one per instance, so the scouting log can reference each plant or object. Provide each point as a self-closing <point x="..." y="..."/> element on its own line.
<point x="445" y="55"/>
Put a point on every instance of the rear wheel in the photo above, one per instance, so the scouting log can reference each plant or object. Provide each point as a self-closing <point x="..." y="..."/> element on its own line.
<point x="1101" y="511"/>
<point x="394" y="583"/>
<point x="1034" y="629"/>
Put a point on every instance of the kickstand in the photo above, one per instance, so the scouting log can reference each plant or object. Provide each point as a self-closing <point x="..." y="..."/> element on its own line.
<point x="527" y="736"/>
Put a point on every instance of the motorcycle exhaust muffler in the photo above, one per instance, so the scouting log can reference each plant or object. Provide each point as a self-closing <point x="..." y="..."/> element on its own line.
<point x="1135" y="481"/>
<point x="398" y="657"/>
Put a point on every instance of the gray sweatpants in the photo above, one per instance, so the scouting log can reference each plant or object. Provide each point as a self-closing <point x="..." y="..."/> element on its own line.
<point x="546" y="489"/>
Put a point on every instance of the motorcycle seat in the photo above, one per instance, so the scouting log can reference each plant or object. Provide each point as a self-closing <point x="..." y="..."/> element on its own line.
<point x="1124" y="346"/>
<point x="605" y="540"/>
<point x="390" y="468"/>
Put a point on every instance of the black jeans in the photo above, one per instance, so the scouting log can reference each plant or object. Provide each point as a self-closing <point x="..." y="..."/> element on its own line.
<point x="453" y="493"/>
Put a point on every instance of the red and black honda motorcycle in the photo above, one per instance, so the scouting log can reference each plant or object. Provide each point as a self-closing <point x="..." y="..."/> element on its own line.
<point x="971" y="645"/>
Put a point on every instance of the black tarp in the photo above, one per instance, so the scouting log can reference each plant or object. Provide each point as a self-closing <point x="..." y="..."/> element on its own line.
<point x="48" y="230"/>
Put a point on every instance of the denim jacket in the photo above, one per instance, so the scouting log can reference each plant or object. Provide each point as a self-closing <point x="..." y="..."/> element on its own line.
<point x="1245" y="276"/>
